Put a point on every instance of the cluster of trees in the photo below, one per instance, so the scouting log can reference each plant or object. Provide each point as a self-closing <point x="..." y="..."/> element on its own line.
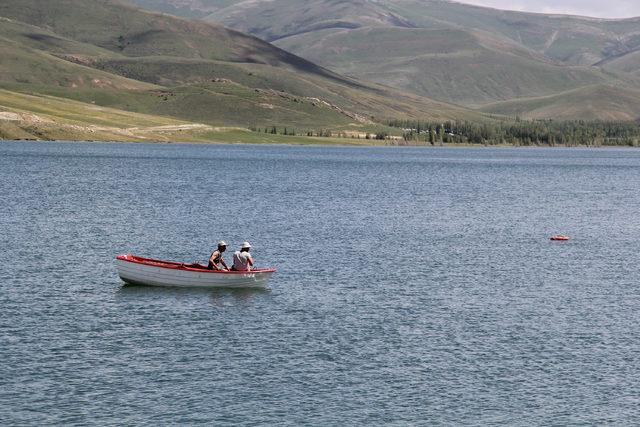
<point x="327" y="133"/>
<point x="519" y="132"/>
<point x="273" y="130"/>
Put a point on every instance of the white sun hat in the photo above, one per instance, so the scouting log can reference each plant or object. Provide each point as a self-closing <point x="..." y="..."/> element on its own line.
<point x="246" y="245"/>
<point x="222" y="243"/>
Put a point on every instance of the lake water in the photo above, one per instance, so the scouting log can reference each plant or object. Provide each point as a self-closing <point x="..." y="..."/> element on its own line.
<point x="415" y="286"/>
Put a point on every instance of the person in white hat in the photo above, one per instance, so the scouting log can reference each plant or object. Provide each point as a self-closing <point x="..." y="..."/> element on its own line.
<point x="242" y="260"/>
<point x="216" y="262"/>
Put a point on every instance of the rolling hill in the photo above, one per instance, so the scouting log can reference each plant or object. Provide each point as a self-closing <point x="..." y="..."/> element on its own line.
<point x="450" y="64"/>
<point x="469" y="55"/>
<point x="597" y="102"/>
<point x="43" y="117"/>
<point x="105" y="53"/>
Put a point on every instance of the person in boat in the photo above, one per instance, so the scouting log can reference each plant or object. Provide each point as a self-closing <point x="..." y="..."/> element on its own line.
<point x="216" y="262"/>
<point x="242" y="259"/>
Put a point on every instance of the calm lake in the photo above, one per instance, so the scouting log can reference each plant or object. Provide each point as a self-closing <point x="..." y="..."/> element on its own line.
<point x="415" y="286"/>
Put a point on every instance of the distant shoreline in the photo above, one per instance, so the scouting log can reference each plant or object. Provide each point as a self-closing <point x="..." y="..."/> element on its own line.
<point x="332" y="143"/>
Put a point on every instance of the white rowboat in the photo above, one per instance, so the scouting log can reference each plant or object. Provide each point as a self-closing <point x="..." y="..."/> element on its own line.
<point x="137" y="270"/>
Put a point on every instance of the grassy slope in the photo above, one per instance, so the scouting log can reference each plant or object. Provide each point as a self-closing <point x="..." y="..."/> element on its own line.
<point x="44" y="40"/>
<point x="598" y="102"/>
<point x="30" y="55"/>
<point x="276" y="87"/>
<point x="628" y="63"/>
<point x="449" y="64"/>
<point x="192" y="70"/>
<point x="127" y="31"/>
<point x="102" y="23"/>
<point x="42" y="117"/>
<point x="45" y="117"/>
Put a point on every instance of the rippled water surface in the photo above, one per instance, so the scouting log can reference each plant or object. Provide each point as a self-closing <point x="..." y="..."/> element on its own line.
<point x="415" y="286"/>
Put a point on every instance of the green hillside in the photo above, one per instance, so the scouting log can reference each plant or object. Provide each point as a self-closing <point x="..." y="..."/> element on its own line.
<point x="41" y="117"/>
<point x="31" y="55"/>
<point x="45" y="117"/>
<point x="627" y="64"/>
<point x="108" y="54"/>
<point x="450" y="64"/>
<point x="598" y="102"/>
<point x="127" y="31"/>
<point x="443" y="50"/>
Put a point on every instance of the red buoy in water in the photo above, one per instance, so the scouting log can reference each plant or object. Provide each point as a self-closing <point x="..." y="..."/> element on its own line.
<point x="560" y="237"/>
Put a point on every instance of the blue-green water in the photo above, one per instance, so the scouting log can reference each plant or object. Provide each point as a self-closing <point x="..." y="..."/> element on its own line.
<point x="415" y="286"/>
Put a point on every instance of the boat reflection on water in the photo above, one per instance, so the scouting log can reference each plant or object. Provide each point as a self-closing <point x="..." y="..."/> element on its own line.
<point x="218" y="296"/>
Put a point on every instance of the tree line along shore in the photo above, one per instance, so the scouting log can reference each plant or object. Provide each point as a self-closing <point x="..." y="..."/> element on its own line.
<point x="522" y="133"/>
<point x="517" y="133"/>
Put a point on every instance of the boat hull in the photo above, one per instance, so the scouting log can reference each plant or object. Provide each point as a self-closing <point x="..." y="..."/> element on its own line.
<point x="143" y="271"/>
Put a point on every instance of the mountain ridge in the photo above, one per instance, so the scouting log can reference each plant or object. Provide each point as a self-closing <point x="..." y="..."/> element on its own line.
<point x="497" y="56"/>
